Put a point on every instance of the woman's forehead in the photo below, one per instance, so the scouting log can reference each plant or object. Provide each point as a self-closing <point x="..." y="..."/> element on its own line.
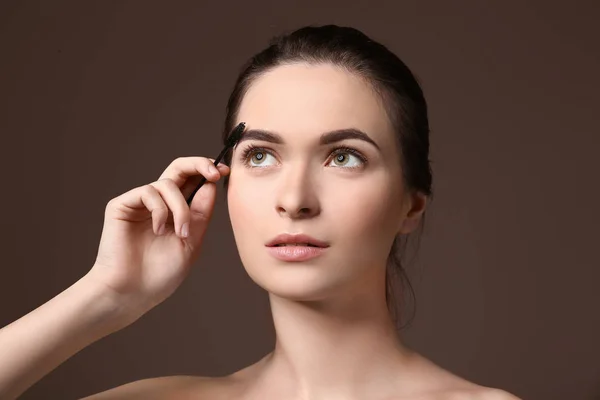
<point x="313" y="98"/>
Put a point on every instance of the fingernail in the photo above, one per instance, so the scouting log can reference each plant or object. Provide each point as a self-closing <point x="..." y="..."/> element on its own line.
<point x="185" y="230"/>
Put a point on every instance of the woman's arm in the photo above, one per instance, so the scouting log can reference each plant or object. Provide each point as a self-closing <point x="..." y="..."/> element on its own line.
<point x="37" y="343"/>
<point x="143" y="256"/>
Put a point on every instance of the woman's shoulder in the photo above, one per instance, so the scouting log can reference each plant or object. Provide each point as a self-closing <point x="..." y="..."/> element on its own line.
<point x="185" y="387"/>
<point x="178" y="386"/>
<point x="463" y="390"/>
<point x="458" y="388"/>
<point x="437" y="383"/>
<point x="481" y="393"/>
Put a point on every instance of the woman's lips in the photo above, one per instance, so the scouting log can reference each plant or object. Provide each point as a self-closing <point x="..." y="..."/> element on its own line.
<point x="295" y="253"/>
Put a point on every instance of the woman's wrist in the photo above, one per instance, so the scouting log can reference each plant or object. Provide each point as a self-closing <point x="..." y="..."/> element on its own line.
<point x="103" y="311"/>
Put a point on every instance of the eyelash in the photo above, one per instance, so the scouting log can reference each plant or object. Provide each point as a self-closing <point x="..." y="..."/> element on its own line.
<point x="251" y="149"/>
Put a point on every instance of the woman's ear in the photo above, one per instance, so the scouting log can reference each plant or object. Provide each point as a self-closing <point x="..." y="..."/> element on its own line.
<point x="412" y="213"/>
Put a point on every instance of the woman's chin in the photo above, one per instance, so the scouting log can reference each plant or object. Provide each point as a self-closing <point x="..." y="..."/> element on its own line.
<point x="297" y="285"/>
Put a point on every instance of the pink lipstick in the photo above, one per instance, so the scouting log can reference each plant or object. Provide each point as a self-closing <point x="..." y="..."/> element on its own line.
<point x="296" y="247"/>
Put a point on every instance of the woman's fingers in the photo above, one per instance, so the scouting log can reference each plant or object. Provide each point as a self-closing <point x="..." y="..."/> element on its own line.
<point x="135" y="204"/>
<point x="177" y="183"/>
<point x="183" y="168"/>
<point x="175" y="202"/>
<point x="187" y="172"/>
<point x="223" y="169"/>
<point x="166" y="198"/>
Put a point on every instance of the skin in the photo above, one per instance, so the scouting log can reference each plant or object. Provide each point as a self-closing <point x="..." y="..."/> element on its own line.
<point x="335" y="338"/>
<point x="334" y="335"/>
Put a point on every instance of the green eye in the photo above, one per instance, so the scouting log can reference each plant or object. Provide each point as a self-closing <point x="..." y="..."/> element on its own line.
<point x="340" y="158"/>
<point x="346" y="153"/>
<point x="254" y="157"/>
<point x="258" y="156"/>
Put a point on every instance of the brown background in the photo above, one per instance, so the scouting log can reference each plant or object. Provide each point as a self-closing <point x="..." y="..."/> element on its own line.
<point x="97" y="97"/>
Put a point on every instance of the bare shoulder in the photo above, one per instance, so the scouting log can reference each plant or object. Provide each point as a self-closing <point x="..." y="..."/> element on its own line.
<point x="476" y="393"/>
<point x="181" y="387"/>
<point x="442" y="384"/>
<point x="486" y="393"/>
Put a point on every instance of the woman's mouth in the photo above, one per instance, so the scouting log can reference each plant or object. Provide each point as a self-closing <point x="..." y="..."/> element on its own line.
<point x="296" y="247"/>
<point x="294" y="244"/>
<point x="295" y="252"/>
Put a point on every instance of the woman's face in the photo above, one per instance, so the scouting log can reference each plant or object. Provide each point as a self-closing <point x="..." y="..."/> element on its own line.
<point x="353" y="201"/>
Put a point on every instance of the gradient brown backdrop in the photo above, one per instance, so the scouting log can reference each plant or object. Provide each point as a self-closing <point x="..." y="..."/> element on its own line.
<point x="98" y="97"/>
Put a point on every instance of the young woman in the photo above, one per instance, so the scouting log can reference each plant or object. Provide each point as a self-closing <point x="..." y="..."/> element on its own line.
<point x="331" y="172"/>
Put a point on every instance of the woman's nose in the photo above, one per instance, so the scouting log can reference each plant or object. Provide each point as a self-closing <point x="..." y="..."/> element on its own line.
<point x="297" y="195"/>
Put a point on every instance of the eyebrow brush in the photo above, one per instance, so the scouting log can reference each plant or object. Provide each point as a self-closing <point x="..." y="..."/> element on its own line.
<point x="235" y="136"/>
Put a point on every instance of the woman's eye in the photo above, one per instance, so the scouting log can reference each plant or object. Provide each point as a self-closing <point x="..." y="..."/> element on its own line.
<point x="256" y="158"/>
<point x="347" y="160"/>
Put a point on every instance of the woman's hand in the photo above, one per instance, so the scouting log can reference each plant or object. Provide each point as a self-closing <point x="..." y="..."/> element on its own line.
<point x="151" y="237"/>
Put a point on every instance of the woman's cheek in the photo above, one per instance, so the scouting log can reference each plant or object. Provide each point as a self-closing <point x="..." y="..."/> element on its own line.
<point x="247" y="202"/>
<point x="365" y="206"/>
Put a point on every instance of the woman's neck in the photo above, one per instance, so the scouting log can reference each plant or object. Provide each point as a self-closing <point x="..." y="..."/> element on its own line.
<point x="343" y="347"/>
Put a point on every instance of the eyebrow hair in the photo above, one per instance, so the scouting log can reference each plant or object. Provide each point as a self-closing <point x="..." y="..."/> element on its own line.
<point x="326" y="138"/>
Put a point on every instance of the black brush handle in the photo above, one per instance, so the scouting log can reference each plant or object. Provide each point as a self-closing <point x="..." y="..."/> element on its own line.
<point x="232" y="141"/>
<point x="203" y="179"/>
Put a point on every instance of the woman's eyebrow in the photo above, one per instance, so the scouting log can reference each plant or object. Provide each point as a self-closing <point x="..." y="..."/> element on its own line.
<point x="326" y="138"/>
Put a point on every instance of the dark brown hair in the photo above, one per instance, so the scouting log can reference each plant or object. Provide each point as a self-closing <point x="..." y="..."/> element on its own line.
<point x="405" y="105"/>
